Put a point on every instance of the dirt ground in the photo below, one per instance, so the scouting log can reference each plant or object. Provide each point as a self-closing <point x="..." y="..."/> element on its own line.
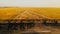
<point x="34" y="30"/>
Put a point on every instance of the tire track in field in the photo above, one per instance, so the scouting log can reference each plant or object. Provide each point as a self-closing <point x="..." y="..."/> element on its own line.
<point x="14" y="17"/>
<point x="31" y="13"/>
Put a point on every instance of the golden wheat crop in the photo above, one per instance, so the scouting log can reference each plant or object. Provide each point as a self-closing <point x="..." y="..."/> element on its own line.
<point x="32" y="13"/>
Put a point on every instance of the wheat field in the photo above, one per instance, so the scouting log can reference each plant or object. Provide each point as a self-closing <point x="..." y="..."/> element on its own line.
<point x="32" y="13"/>
<point x="7" y="13"/>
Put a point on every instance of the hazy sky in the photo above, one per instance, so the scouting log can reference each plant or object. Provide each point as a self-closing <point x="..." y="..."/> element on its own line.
<point x="31" y="3"/>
